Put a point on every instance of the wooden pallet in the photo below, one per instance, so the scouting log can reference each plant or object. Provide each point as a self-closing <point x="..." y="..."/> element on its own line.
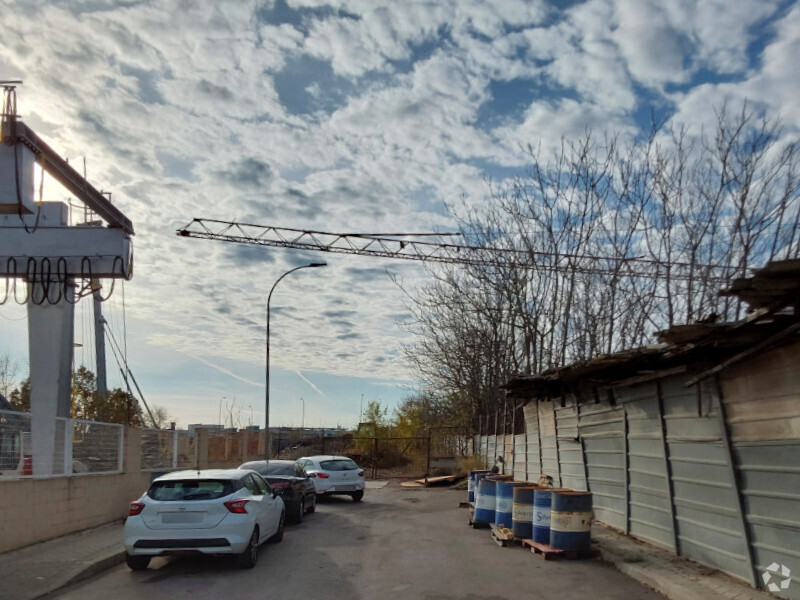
<point x="502" y="536"/>
<point x="547" y="552"/>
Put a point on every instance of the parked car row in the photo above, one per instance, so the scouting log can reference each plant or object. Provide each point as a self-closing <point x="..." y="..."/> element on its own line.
<point x="232" y="511"/>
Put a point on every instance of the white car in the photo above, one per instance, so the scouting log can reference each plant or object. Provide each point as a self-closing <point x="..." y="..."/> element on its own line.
<point x="335" y="475"/>
<point x="215" y="511"/>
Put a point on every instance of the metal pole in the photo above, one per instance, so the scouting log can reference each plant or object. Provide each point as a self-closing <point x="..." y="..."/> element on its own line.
<point x="99" y="343"/>
<point x="266" y="400"/>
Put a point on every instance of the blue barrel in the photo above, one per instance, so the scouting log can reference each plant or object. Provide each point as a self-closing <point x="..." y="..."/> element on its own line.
<point x="571" y="520"/>
<point x="522" y="512"/>
<point x="485" y="501"/>
<point x="498" y="477"/>
<point x="471" y="484"/>
<point x="479" y="476"/>
<point x="503" y="512"/>
<point x="541" y="515"/>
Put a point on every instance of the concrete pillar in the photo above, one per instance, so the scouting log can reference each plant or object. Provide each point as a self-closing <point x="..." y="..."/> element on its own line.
<point x="50" y="335"/>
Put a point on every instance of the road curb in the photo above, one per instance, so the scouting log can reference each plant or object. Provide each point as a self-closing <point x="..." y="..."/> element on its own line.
<point x="89" y="570"/>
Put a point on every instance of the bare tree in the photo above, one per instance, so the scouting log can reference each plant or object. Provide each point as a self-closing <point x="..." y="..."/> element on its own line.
<point x="620" y="240"/>
<point x="9" y="373"/>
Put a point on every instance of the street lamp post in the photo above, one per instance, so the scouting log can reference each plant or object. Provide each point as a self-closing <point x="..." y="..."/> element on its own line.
<point x="269" y="299"/>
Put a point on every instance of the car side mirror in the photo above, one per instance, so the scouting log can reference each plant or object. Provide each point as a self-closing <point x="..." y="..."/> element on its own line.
<point x="312" y="474"/>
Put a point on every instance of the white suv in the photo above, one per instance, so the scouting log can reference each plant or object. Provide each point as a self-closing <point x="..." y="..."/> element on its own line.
<point x="335" y="475"/>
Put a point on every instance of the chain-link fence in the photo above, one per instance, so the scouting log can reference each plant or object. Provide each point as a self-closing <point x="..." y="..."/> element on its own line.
<point x="96" y="447"/>
<point x="46" y="447"/>
<point x="168" y="449"/>
<point x="15" y="436"/>
<point x="390" y="457"/>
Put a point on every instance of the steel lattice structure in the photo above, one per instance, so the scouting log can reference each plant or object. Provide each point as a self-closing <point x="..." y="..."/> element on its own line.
<point x="390" y="245"/>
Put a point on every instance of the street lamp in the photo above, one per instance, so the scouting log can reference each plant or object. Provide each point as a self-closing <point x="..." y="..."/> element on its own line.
<point x="269" y="299"/>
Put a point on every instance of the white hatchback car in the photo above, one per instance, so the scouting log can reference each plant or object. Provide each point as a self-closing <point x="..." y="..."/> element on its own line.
<point x="335" y="475"/>
<point x="213" y="511"/>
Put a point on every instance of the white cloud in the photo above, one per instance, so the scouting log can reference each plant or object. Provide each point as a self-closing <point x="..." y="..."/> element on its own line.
<point x="190" y="114"/>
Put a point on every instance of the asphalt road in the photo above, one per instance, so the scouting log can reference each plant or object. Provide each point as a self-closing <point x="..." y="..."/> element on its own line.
<point x="397" y="543"/>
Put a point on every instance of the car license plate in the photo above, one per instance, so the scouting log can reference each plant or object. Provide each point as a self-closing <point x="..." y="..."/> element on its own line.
<point x="174" y="518"/>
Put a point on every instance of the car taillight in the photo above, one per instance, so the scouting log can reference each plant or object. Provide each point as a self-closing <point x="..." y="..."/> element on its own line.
<point x="27" y="466"/>
<point x="323" y="475"/>
<point x="361" y="473"/>
<point x="136" y="508"/>
<point x="237" y="506"/>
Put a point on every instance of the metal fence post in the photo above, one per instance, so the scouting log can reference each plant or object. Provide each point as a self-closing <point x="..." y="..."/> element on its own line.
<point x="375" y="460"/>
<point x="428" y="458"/>
<point x="68" y="426"/>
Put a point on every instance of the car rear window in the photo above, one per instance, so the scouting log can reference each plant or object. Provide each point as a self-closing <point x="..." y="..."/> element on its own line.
<point x="275" y="469"/>
<point x="191" y="489"/>
<point x="340" y="464"/>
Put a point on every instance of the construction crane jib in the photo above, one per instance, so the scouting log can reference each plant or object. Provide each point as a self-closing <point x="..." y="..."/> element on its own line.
<point x="398" y="246"/>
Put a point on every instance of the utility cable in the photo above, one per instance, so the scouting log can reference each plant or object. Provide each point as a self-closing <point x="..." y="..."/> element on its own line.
<point x="130" y="373"/>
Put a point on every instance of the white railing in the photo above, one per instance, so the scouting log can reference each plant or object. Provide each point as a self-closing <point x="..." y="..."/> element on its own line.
<point x="51" y="447"/>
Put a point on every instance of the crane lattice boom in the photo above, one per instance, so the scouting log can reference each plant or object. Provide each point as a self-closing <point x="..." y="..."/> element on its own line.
<point x="389" y="246"/>
<point x="378" y="245"/>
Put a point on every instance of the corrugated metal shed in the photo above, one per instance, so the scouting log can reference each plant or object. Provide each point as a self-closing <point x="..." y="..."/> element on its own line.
<point x="692" y="443"/>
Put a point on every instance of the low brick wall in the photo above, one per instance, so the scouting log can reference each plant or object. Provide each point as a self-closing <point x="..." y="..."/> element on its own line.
<point x="35" y="510"/>
<point x="39" y="509"/>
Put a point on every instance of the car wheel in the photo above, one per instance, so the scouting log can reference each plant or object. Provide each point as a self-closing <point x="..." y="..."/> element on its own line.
<point x="249" y="558"/>
<point x="301" y="510"/>
<point x="313" y="506"/>
<point x="137" y="563"/>
<point x="357" y="496"/>
<point x="278" y="536"/>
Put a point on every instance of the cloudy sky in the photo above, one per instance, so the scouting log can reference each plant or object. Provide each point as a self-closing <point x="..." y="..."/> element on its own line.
<point x="351" y="116"/>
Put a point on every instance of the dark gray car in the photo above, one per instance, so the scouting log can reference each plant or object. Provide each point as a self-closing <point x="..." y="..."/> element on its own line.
<point x="293" y="484"/>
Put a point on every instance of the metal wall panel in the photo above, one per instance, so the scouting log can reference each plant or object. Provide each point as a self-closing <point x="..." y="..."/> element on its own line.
<point x="507" y="452"/>
<point x="602" y="429"/>
<point x="547" y="440"/>
<point x="533" y="455"/>
<point x="770" y="479"/>
<point x="761" y="397"/>
<point x="650" y="514"/>
<point x="706" y="500"/>
<point x="520" y="452"/>
<point x="570" y="451"/>
<point x="491" y="450"/>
